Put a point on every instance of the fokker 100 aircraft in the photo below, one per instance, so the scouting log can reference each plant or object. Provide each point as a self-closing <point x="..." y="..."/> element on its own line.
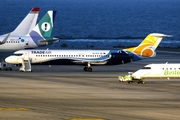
<point x="145" y="49"/>
<point x="39" y="36"/>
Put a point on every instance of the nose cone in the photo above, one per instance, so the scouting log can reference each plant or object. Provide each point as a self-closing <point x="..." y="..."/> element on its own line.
<point x="12" y="60"/>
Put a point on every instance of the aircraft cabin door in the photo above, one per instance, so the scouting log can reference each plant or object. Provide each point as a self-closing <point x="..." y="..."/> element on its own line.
<point x="26" y="55"/>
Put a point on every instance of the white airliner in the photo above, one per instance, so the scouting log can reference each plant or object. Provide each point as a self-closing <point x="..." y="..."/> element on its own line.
<point x="87" y="58"/>
<point x="26" y="25"/>
<point x="158" y="71"/>
<point x="39" y="36"/>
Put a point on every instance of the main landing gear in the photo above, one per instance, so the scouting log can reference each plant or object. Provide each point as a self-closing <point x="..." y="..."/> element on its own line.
<point x="88" y="68"/>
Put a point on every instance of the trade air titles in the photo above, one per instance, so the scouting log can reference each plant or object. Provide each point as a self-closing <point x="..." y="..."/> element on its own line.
<point x="41" y="52"/>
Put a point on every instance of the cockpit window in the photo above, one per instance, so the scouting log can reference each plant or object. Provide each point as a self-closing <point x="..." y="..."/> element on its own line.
<point x="146" y="68"/>
<point x="19" y="54"/>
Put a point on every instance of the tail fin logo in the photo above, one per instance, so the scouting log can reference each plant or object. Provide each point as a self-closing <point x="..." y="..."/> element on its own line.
<point x="148" y="45"/>
<point x="45" y="26"/>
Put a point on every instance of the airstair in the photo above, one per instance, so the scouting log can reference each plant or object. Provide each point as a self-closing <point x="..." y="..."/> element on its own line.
<point x="26" y="65"/>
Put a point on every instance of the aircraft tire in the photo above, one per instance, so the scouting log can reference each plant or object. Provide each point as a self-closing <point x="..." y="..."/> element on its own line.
<point x="90" y="69"/>
<point x="85" y="69"/>
<point x="10" y="69"/>
<point x="141" y="82"/>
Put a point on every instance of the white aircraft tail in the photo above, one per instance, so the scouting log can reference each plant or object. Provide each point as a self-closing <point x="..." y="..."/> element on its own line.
<point x="28" y="23"/>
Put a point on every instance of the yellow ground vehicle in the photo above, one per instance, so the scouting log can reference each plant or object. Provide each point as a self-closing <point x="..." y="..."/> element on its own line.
<point x="127" y="78"/>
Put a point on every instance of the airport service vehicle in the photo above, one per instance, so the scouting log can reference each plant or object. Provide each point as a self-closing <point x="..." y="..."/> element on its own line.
<point x="146" y="49"/>
<point x="126" y="78"/>
<point x="39" y="36"/>
<point x="165" y="70"/>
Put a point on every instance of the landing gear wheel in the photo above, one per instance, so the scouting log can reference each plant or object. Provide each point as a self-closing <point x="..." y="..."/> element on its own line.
<point x="141" y="82"/>
<point x="89" y="69"/>
<point x="85" y="68"/>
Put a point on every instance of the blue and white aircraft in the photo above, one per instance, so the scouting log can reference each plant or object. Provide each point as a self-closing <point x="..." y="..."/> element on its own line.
<point x="145" y="49"/>
<point x="39" y="36"/>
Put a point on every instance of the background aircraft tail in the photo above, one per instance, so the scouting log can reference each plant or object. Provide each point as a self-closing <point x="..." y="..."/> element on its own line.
<point x="148" y="46"/>
<point x="41" y="33"/>
<point x="28" y="23"/>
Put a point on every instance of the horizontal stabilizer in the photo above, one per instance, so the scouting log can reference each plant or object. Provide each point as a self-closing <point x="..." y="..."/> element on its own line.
<point x="49" y="40"/>
<point x="160" y="35"/>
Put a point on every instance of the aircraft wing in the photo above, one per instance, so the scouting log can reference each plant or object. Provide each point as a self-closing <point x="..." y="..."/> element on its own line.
<point x="5" y="39"/>
<point x="104" y="61"/>
<point x="114" y="56"/>
<point x="91" y="62"/>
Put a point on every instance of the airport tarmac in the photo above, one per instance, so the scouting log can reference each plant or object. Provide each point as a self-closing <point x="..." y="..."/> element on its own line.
<point x="69" y="93"/>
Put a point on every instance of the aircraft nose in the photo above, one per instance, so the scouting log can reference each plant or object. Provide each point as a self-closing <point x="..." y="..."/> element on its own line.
<point x="11" y="60"/>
